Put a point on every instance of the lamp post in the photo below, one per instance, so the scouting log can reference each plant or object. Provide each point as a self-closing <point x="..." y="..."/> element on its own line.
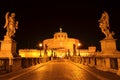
<point x="79" y="44"/>
<point x="40" y="45"/>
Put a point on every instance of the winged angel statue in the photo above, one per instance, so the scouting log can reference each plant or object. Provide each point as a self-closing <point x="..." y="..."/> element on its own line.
<point x="11" y="24"/>
<point x="104" y="25"/>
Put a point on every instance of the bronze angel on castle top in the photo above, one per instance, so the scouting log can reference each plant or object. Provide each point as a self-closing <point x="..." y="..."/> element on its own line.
<point x="11" y="24"/>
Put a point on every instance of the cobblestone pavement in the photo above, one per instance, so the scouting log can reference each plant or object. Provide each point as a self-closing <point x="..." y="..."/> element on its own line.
<point x="64" y="70"/>
<point x="58" y="70"/>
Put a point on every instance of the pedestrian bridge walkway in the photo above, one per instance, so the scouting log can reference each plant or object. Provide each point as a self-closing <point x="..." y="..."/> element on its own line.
<point x="60" y="69"/>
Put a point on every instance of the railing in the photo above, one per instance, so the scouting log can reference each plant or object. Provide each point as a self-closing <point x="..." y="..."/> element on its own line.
<point x="4" y="65"/>
<point x="9" y="65"/>
<point x="109" y="63"/>
<point x="27" y="62"/>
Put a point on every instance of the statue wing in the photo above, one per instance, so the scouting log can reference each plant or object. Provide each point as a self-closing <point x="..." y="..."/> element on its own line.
<point x="107" y="19"/>
<point x="6" y="19"/>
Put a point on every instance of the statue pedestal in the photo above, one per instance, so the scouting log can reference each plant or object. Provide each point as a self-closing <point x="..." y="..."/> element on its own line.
<point x="8" y="47"/>
<point x="108" y="46"/>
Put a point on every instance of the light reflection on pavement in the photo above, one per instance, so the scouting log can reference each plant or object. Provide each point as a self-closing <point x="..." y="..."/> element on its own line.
<point x="58" y="70"/>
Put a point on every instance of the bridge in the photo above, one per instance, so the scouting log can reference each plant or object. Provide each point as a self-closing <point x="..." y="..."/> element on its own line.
<point x="60" y="60"/>
<point x="53" y="69"/>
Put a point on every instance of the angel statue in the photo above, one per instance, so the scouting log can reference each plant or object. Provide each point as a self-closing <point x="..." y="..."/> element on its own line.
<point x="104" y="25"/>
<point x="11" y="24"/>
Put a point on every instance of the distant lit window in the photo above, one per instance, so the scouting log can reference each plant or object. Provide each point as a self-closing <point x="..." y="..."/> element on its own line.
<point x="55" y="37"/>
<point x="58" y="35"/>
<point x="61" y="35"/>
<point x="65" y="36"/>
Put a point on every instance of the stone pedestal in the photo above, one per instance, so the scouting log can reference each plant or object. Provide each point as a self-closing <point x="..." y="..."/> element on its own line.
<point x="118" y="73"/>
<point x="8" y="47"/>
<point x="108" y="46"/>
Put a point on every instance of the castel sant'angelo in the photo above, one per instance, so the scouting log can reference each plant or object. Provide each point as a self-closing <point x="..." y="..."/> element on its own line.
<point x="61" y="44"/>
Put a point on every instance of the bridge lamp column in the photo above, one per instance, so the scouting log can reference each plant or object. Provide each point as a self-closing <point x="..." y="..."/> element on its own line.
<point x="79" y="44"/>
<point x="40" y="45"/>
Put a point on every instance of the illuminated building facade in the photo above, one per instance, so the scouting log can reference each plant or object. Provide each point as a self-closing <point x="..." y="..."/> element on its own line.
<point x="60" y="44"/>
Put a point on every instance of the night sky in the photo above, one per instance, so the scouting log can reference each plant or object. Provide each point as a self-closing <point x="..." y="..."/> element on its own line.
<point x="39" y="20"/>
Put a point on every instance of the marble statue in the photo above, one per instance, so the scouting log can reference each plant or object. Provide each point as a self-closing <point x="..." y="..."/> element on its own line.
<point x="104" y="25"/>
<point x="11" y="24"/>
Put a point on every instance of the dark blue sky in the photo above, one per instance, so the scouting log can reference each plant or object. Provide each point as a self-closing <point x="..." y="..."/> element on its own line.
<point x="39" y="20"/>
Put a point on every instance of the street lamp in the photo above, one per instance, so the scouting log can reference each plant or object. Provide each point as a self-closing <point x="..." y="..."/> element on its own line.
<point x="40" y="45"/>
<point x="79" y="44"/>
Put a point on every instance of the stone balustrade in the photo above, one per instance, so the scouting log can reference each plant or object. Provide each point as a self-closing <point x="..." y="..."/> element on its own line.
<point x="4" y="65"/>
<point x="102" y="62"/>
<point x="17" y="63"/>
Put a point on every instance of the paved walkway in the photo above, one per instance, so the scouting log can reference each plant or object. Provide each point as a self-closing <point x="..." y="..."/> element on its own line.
<point x="59" y="70"/>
